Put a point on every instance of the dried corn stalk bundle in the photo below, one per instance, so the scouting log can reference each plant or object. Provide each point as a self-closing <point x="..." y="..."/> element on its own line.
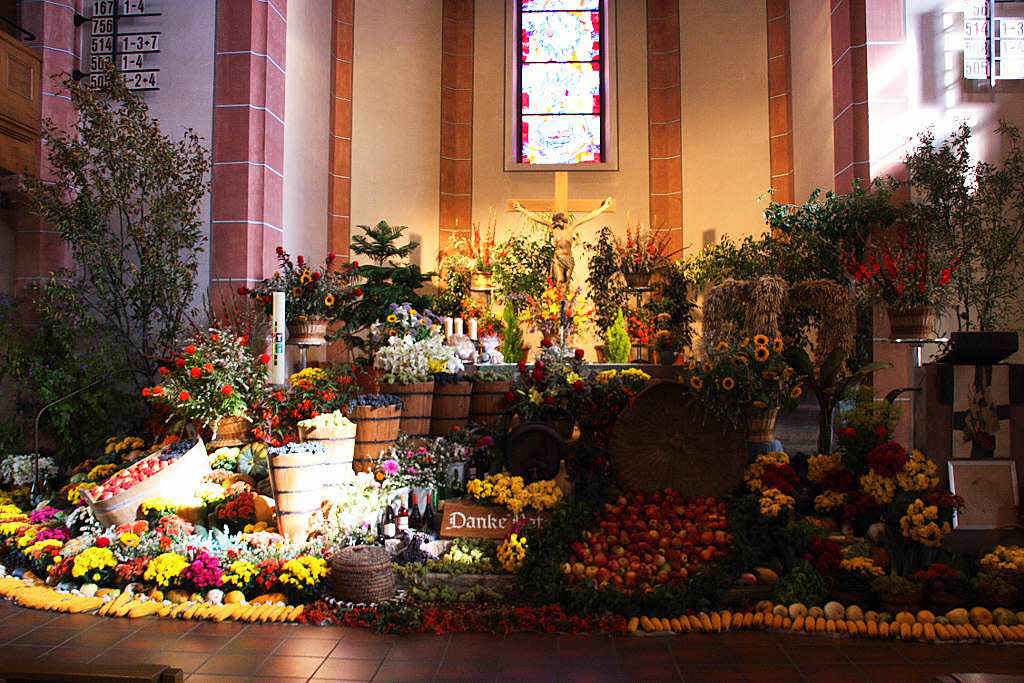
<point x="760" y="303"/>
<point x="837" y="321"/>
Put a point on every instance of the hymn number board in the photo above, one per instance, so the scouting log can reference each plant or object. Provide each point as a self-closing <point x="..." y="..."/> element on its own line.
<point x="993" y="45"/>
<point x="121" y="33"/>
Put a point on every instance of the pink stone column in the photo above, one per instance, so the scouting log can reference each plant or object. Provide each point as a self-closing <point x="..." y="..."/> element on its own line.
<point x="248" y="142"/>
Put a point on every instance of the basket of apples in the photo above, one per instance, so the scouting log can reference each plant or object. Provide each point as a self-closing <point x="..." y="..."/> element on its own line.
<point x="172" y="472"/>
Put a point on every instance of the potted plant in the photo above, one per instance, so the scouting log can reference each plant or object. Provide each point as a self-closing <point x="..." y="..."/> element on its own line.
<point x="671" y="304"/>
<point x="604" y="282"/>
<point x="978" y="207"/>
<point x="212" y="382"/>
<point x="666" y="347"/>
<point x="309" y="393"/>
<point x="644" y="253"/>
<point x="522" y="266"/>
<point x="640" y="325"/>
<point x="409" y="351"/>
<point x="558" y="314"/>
<point x="314" y="297"/>
<point x="550" y="392"/>
<point x="513" y="348"/>
<point x="617" y="346"/>
<point x="476" y="254"/>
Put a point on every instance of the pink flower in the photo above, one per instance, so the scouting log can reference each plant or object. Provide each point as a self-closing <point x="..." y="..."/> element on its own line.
<point x="389" y="467"/>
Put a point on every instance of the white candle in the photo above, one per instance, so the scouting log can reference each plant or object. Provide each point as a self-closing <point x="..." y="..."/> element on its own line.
<point x="458" y="327"/>
<point x="472" y="328"/>
<point x="277" y="360"/>
<point x="448" y="326"/>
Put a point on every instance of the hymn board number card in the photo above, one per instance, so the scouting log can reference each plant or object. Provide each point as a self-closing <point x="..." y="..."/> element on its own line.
<point x="993" y="45"/>
<point x="122" y="33"/>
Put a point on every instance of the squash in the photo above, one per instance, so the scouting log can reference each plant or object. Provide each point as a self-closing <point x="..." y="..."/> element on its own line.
<point x="797" y="609"/>
<point x="833" y="610"/>
<point x="798" y="624"/>
<point x="905" y="618"/>
<point x="766" y="576"/>
<point x="819" y="624"/>
<point x="716" y="622"/>
<point x="929" y="632"/>
<point x="925" y="617"/>
<point x="815" y="612"/>
<point x="645" y="623"/>
<point x="726" y="620"/>
<point x="883" y="629"/>
<point x="1004" y="617"/>
<point x="763" y="605"/>
<point x="268" y="597"/>
<point x="905" y="632"/>
<point x="854" y="613"/>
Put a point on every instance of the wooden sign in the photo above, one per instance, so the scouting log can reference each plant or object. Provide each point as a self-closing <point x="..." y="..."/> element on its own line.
<point x="470" y="520"/>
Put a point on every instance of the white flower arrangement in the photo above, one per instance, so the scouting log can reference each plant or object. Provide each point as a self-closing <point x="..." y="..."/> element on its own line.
<point x="404" y="360"/>
<point x="16" y="470"/>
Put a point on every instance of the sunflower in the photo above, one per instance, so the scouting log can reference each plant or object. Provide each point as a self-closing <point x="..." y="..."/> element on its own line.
<point x="761" y="354"/>
<point x="722" y="346"/>
<point x="705" y="366"/>
<point x="392" y="318"/>
<point x="696" y="382"/>
<point x="306" y="278"/>
<point x="796" y="393"/>
<point x="760" y="340"/>
<point x="778" y="345"/>
<point x="728" y="383"/>
<point x="329" y="300"/>
<point x="296" y="292"/>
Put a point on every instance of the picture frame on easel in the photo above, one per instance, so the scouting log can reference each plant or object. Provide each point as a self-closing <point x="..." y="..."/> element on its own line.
<point x="989" y="490"/>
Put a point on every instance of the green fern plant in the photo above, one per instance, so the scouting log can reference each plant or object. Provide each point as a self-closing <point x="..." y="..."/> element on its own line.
<point x="617" y="340"/>
<point x="512" y="346"/>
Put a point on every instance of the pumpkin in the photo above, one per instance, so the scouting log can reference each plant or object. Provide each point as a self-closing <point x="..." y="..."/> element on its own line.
<point x="980" y="615"/>
<point x="797" y="609"/>
<point x="854" y="613"/>
<point x="766" y="576"/>
<point x="925" y="617"/>
<point x="1004" y="617"/>
<point x="815" y="612"/>
<point x="268" y="597"/>
<point x="957" y="616"/>
<point x="235" y="597"/>
<point x="833" y="610"/>
<point x="905" y="618"/>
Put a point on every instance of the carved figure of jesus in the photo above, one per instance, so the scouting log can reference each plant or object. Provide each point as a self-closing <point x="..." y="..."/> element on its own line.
<point x="563" y="233"/>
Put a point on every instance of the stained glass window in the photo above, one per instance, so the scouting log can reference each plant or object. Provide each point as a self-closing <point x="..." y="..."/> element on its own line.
<point x="561" y="82"/>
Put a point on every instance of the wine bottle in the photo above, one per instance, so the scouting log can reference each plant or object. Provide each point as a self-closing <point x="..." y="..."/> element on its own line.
<point x="390" y="529"/>
<point x="415" y="517"/>
<point x="403" y="517"/>
<point x="429" y="518"/>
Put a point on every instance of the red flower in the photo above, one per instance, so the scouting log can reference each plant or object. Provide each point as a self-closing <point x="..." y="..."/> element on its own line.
<point x="208" y="367"/>
<point x="215" y="337"/>
<point x="510" y="397"/>
<point x="179" y="362"/>
<point x="549" y="400"/>
<point x="300" y="260"/>
<point x="146" y="391"/>
<point x="578" y="385"/>
<point x="579" y="354"/>
<point x="102" y="542"/>
<point x="184" y="396"/>
<point x="881" y="432"/>
<point x="521" y="365"/>
<point x="158" y="390"/>
<point x="947" y="275"/>
<point x="848" y="431"/>
<point x="331" y="257"/>
<point x="888" y="459"/>
<point x="196" y="373"/>
<point x="190" y="349"/>
<point x="359" y="291"/>
<point x="264" y="358"/>
<point x="546" y="343"/>
<point x="164" y="370"/>
<point x="316" y="276"/>
<point x="227" y="390"/>
<point x="243" y="340"/>
<point x="243" y="290"/>
<point x="280" y="251"/>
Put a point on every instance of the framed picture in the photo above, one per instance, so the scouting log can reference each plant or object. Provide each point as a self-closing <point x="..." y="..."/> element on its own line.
<point x="989" y="490"/>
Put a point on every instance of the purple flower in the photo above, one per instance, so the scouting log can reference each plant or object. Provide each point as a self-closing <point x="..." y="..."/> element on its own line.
<point x="59" y="534"/>
<point x="42" y="515"/>
<point x="389" y="467"/>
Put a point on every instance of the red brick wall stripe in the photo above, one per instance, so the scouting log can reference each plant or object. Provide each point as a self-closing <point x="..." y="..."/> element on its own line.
<point x="664" y="120"/>
<point x="780" y="109"/>
<point x="455" y="183"/>
<point x="339" y="221"/>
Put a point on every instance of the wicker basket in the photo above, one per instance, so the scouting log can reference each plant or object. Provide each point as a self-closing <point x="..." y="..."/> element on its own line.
<point x="232" y="430"/>
<point x="450" y="407"/>
<point x="488" y="402"/>
<point x="361" y="573"/>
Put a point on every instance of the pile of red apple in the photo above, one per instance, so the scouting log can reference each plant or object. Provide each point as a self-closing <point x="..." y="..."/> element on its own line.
<point x="130" y="476"/>
<point x="644" y="539"/>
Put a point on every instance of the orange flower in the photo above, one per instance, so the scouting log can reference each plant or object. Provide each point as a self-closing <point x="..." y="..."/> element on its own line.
<point x="227" y="390"/>
<point x="190" y="349"/>
<point x="196" y="373"/>
<point x="184" y="396"/>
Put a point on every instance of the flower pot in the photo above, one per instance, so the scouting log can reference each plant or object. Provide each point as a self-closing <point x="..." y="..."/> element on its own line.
<point x="913" y="323"/>
<point x="232" y="430"/>
<point x="297" y="481"/>
<point x="761" y="425"/>
<point x="479" y="280"/>
<point x="417" y="405"/>
<point x="376" y="431"/>
<point x="487" y="404"/>
<point x="311" y="332"/>
<point x="450" y="407"/>
<point x="666" y="356"/>
<point x="602" y="353"/>
<point x="638" y="279"/>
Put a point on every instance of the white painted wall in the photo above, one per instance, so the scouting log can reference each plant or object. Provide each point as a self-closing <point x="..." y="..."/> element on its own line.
<point x="307" y="128"/>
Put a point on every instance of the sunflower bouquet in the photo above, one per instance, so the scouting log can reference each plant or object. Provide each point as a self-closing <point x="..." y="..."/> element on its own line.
<point x="310" y="293"/>
<point x="736" y="378"/>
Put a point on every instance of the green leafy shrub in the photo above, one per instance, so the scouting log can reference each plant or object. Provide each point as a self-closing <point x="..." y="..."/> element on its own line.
<point x="617" y="342"/>
<point x="803" y="584"/>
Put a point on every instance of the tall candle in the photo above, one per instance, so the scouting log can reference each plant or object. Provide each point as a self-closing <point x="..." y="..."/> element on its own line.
<point x="277" y="360"/>
<point x="458" y="327"/>
<point x="448" y="326"/>
<point x="472" y="328"/>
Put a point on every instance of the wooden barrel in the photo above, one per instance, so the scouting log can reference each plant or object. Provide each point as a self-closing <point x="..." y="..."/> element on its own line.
<point x="417" y="403"/>
<point x="488" y="402"/>
<point x="176" y="481"/>
<point x="533" y="451"/>
<point x="451" y="407"/>
<point x="297" y="481"/>
<point x="376" y="430"/>
<point x="339" y="446"/>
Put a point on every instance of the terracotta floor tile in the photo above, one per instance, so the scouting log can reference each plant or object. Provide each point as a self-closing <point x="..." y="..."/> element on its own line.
<point x="412" y="672"/>
<point x="232" y="665"/>
<point x="94" y="639"/>
<point x="72" y="654"/>
<point x="430" y="649"/>
<point x="23" y="652"/>
<point x="178" y="626"/>
<point x="347" y="669"/>
<point x="46" y="635"/>
<point x="305" y="647"/>
<point x="250" y="643"/>
<point x="213" y="628"/>
<point x="186" y="661"/>
<point x="213" y="678"/>
<point x="525" y="675"/>
<point x="197" y="643"/>
<point x="465" y="673"/>
<point x="349" y="649"/>
<point x="277" y="665"/>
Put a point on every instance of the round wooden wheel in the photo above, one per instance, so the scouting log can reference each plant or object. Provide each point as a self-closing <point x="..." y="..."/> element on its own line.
<point x="666" y="439"/>
<point x="533" y="451"/>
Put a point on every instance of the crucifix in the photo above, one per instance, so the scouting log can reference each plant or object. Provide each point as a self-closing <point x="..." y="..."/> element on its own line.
<point x="562" y="225"/>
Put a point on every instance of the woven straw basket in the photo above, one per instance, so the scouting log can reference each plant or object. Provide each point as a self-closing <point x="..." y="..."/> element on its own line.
<point x="362" y="573"/>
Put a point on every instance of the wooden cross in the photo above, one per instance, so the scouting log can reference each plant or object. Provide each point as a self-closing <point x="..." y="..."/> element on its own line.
<point x="560" y="201"/>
